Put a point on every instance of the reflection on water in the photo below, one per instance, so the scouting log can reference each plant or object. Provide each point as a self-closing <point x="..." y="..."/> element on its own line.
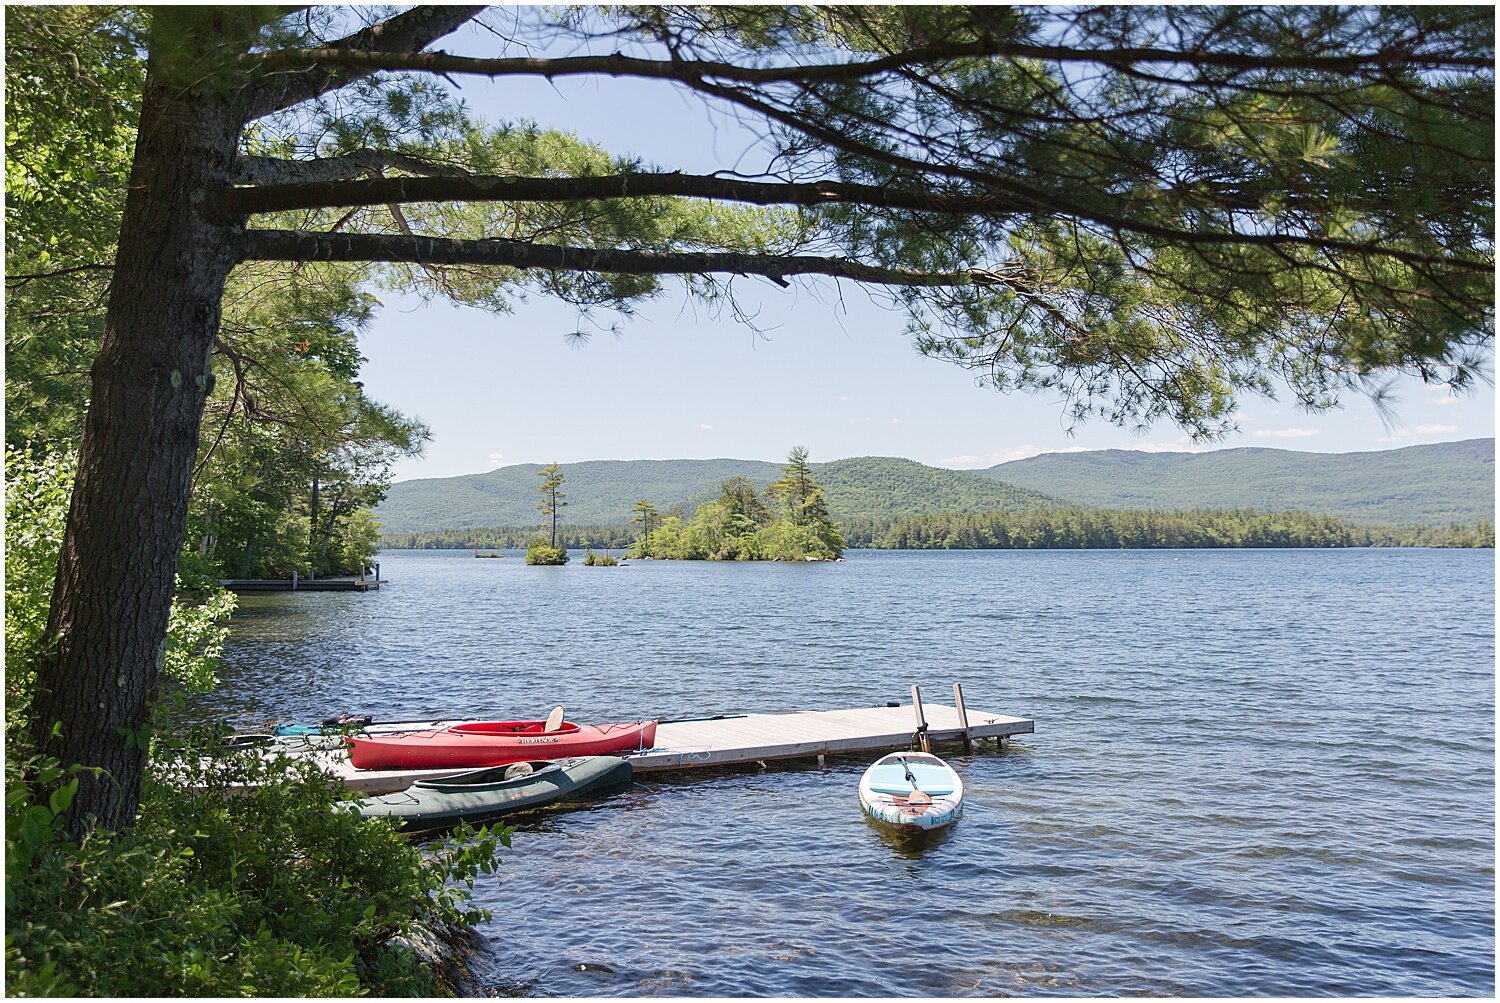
<point x="911" y="842"/>
<point x="1254" y="773"/>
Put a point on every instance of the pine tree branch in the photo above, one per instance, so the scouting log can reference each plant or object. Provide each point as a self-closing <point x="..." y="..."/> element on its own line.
<point x="486" y="188"/>
<point x="299" y="77"/>
<point x="689" y="70"/>
<point x="616" y="64"/>
<point x="19" y="279"/>
<point x="298" y="245"/>
<point x="505" y="188"/>
<point x="272" y="171"/>
<point x="1045" y="202"/>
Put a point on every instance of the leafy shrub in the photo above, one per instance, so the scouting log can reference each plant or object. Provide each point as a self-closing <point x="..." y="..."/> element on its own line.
<point x="36" y="510"/>
<point x="790" y="524"/>
<point x="276" y="892"/>
<point x="543" y="553"/>
<point x="37" y="490"/>
<point x="786" y="541"/>
<point x="599" y="560"/>
<point x="355" y="546"/>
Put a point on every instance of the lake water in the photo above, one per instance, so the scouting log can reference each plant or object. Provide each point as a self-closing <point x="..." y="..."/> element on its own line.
<point x="1253" y="773"/>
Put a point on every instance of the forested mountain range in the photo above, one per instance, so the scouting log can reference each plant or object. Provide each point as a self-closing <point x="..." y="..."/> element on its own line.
<point x="1414" y="485"/>
<point x="601" y="492"/>
<point x="1425" y="485"/>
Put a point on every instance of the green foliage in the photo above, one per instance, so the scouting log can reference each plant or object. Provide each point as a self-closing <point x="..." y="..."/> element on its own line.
<point x="873" y="486"/>
<point x="287" y="407"/>
<point x="525" y="149"/>
<point x="509" y="538"/>
<point x="37" y="489"/>
<point x="670" y="541"/>
<point x="36" y="510"/>
<point x="553" y="500"/>
<point x="359" y="540"/>
<point x="802" y="497"/>
<point x="218" y="893"/>
<point x="645" y="515"/>
<point x="73" y="82"/>
<point x="790" y="524"/>
<point x="213" y="892"/>
<point x="541" y="552"/>
<point x="1160" y="241"/>
<point x="593" y="560"/>
<point x="295" y="453"/>
<point x="784" y="540"/>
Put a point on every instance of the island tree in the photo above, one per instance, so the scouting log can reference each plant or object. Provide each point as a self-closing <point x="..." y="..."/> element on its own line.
<point x="647" y="517"/>
<point x="552" y="501"/>
<point x="1146" y="211"/>
<point x="810" y="530"/>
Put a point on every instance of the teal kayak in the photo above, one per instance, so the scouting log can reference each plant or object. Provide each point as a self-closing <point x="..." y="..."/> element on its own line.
<point x="490" y="793"/>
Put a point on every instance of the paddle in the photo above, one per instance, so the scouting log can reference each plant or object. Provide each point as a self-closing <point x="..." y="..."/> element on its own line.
<point x="917" y="797"/>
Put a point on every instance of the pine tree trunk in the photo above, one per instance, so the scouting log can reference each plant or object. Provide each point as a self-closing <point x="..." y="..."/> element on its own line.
<point x="117" y="568"/>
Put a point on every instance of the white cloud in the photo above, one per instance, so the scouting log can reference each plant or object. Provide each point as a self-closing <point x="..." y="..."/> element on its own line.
<point x="895" y="421"/>
<point x="845" y="398"/>
<point x="706" y="428"/>
<point x="1285" y="433"/>
<point x="494" y="460"/>
<point x="1419" y="432"/>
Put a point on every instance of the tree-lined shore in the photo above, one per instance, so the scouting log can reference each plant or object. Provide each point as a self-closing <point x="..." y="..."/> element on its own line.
<point x="1070" y="529"/>
<point x="1113" y="529"/>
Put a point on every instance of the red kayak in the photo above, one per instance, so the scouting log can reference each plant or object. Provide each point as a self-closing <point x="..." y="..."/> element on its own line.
<point x="494" y="743"/>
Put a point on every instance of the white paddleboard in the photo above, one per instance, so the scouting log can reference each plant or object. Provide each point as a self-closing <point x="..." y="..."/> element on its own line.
<point x="892" y="791"/>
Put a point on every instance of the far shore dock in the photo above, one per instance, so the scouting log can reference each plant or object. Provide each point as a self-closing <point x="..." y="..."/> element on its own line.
<point x="366" y="581"/>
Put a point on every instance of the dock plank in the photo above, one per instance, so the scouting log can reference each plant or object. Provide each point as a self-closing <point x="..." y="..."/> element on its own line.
<point x="685" y="745"/>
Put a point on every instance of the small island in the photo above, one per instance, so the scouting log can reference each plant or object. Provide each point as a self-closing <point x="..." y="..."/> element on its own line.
<point x="789" y="523"/>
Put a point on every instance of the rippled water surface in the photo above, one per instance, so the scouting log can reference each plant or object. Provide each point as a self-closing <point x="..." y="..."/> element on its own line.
<point x="1254" y="772"/>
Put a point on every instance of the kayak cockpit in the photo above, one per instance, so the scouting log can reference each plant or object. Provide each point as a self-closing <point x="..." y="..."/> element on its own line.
<point x="508" y="728"/>
<point x="511" y="774"/>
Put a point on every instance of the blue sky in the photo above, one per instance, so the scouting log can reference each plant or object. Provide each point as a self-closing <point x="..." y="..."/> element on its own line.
<point x="831" y="370"/>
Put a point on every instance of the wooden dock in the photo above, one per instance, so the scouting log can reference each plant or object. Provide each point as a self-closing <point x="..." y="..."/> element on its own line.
<point x="750" y="738"/>
<point x="363" y="582"/>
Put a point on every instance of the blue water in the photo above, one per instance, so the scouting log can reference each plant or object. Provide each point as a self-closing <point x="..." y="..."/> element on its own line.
<point x="1253" y="773"/>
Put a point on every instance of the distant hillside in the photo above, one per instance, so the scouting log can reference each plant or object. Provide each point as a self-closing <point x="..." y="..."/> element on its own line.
<point x="599" y="492"/>
<point x="1413" y="486"/>
<point x="602" y="492"/>
<point x="874" y="487"/>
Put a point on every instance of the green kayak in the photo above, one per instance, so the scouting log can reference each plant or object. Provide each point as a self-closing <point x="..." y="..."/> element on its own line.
<point x="498" y="790"/>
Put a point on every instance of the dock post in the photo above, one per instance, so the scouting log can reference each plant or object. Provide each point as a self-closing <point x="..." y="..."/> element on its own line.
<point x="294" y="581"/>
<point x="963" y="716"/>
<point x="377" y="576"/>
<point x="916" y="702"/>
